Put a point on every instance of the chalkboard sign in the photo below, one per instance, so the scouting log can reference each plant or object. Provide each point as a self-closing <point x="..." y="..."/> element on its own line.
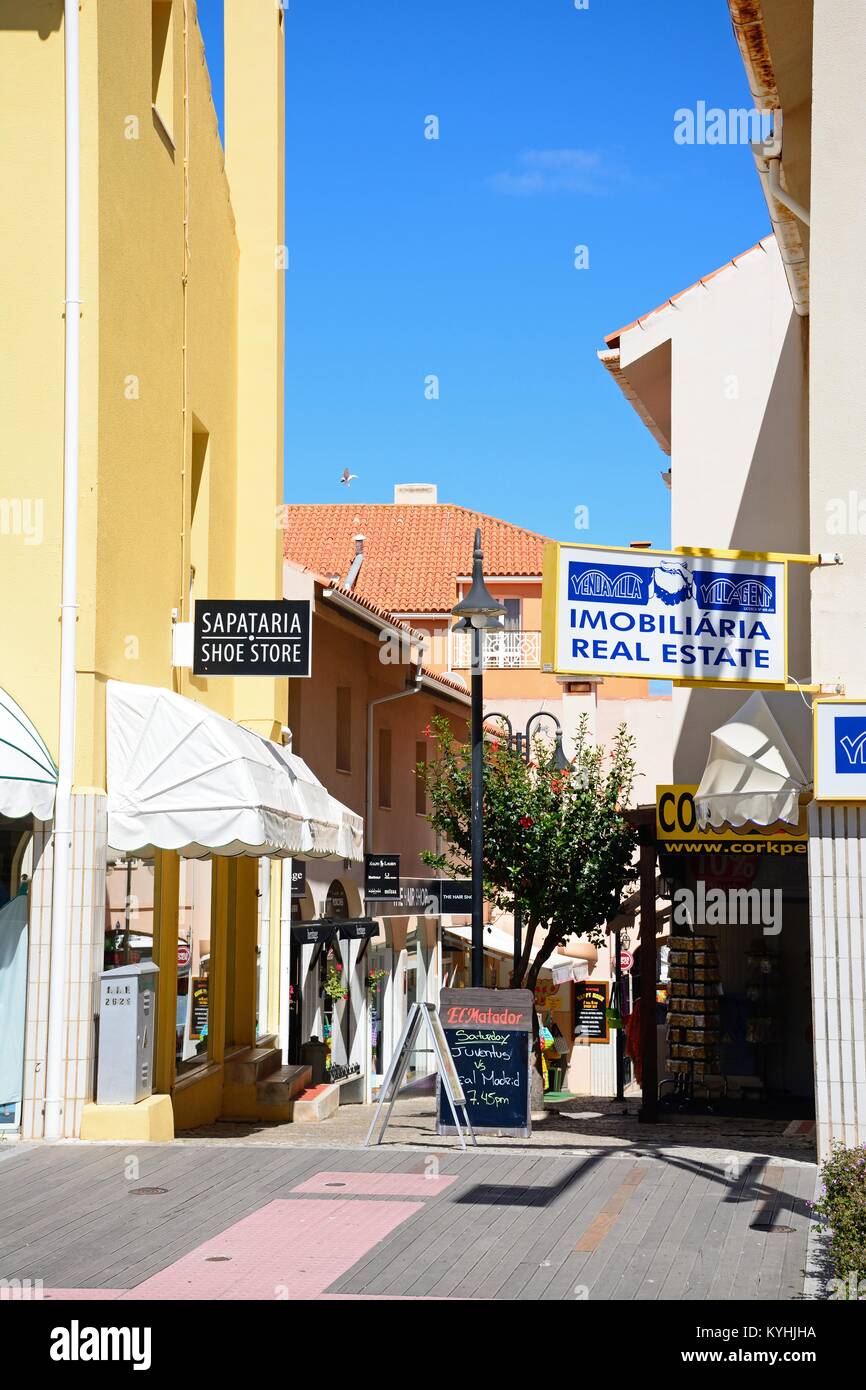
<point x="590" y="1010"/>
<point x="489" y="1036"/>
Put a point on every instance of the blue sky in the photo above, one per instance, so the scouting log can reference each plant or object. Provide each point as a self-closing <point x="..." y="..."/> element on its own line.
<point x="411" y="257"/>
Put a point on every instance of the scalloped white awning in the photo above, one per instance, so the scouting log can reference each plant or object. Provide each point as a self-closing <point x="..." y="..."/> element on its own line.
<point x="183" y="777"/>
<point x="753" y="776"/>
<point x="28" y="776"/>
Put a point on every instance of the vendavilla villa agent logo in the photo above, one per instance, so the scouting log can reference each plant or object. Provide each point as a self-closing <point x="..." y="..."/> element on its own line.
<point x="850" y="745"/>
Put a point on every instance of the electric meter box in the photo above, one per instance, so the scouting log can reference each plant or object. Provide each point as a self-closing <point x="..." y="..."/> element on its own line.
<point x="127" y="1021"/>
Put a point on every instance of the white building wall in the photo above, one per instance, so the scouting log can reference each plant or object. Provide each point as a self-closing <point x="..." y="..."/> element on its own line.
<point x="738" y="446"/>
<point x="838" y="476"/>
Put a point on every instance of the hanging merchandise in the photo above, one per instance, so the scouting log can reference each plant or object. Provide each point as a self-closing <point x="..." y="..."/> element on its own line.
<point x="612" y="1012"/>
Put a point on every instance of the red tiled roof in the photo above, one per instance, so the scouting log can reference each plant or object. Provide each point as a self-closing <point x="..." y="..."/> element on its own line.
<point x="412" y="554"/>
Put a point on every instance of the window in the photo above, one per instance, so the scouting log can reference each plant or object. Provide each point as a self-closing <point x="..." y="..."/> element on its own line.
<point x="162" y="64"/>
<point x="420" y="787"/>
<point x="385" y="769"/>
<point x="344" y="728"/>
<point x="512" y="614"/>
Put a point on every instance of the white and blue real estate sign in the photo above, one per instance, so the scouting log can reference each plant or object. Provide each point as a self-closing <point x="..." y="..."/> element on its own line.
<point x="840" y="750"/>
<point x="664" y="615"/>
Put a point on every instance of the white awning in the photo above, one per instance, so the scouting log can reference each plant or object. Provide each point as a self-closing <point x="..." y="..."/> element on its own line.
<point x="28" y="777"/>
<point x="752" y="774"/>
<point x="501" y="943"/>
<point x="182" y="777"/>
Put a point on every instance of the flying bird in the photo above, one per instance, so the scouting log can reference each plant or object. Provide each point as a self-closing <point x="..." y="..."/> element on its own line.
<point x="347" y="477"/>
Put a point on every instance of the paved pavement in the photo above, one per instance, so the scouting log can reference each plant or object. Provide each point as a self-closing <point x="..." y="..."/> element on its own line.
<point x="560" y="1216"/>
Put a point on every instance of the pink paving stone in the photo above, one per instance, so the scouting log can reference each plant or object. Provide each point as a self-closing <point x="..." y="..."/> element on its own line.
<point x="376" y="1184"/>
<point x="285" y="1250"/>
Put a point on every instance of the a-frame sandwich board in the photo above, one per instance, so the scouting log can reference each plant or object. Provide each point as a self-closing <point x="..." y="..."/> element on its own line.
<point x="422" y="1015"/>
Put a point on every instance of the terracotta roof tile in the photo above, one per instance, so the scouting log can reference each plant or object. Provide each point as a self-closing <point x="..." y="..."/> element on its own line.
<point x="412" y="554"/>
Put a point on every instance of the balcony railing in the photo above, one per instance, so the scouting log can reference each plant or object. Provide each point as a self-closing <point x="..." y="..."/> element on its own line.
<point x="505" y="650"/>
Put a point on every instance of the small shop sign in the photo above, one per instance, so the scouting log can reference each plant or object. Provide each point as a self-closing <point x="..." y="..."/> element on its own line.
<point x="357" y="929"/>
<point x="839" y="743"/>
<point x="381" y="877"/>
<point x="299" y="878"/>
<point x="431" y="896"/>
<point x="590" y="1010"/>
<point x="694" y="616"/>
<point x="252" y="637"/>
<point x="678" y="832"/>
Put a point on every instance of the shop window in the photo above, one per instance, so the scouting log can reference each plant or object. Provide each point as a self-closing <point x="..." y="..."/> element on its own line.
<point x="128" y="912"/>
<point x="344" y="728"/>
<point x="192" y="1019"/>
<point x="420" y="783"/>
<point x="16" y="868"/>
<point x="385" y="769"/>
<point x="162" y="64"/>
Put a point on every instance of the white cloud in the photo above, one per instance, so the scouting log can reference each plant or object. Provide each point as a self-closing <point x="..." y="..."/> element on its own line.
<point x="557" y="171"/>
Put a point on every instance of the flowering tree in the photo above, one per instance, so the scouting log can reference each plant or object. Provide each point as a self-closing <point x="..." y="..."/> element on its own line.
<point x="556" y="844"/>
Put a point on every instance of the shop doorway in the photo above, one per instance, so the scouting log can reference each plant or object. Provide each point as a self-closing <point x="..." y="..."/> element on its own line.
<point x="16" y="868"/>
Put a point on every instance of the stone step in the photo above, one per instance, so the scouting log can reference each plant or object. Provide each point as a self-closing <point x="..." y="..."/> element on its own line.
<point x="252" y="1065"/>
<point x="283" y="1086"/>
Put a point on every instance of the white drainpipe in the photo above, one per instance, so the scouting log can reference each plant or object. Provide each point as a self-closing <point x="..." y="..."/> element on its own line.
<point x="60" y="914"/>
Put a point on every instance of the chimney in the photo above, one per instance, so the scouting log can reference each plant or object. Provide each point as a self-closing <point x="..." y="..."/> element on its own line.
<point x="415" y="494"/>
<point x="359" y="544"/>
<point x="356" y="563"/>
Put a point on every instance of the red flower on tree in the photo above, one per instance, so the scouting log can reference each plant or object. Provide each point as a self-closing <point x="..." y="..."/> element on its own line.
<point x="426" y="731"/>
<point x="526" y="822"/>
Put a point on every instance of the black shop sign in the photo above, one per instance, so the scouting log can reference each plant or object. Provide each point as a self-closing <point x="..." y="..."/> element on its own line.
<point x="299" y="878"/>
<point x="252" y="637"/>
<point x="489" y="1036"/>
<point x="382" y="877"/>
<point x="590" y="1010"/>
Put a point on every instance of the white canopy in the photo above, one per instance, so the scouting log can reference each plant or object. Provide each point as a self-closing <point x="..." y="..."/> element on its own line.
<point x="182" y="777"/>
<point x="752" y="774"/>
<point x="501" y="943"/>
<point x="28" y="777"/>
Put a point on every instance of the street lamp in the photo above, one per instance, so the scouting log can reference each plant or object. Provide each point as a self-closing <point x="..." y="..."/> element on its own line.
<point x="521" y="744"/>
<point x="476" y="612"/>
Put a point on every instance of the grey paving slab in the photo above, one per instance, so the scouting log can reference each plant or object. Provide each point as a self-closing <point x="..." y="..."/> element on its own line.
<point x="506" y="1229"/>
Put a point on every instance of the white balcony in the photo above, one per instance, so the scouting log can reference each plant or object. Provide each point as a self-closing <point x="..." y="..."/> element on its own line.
<point x="505" y="650"/>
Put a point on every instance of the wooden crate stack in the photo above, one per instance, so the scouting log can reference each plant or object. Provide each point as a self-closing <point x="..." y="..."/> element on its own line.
<point x="693" y="1010"/>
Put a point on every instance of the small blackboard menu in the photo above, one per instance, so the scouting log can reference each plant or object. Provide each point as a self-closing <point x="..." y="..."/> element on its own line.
<point x="382" y="876"/>
<point x="489" y="1036"/>
<point x="590" y="1010"/>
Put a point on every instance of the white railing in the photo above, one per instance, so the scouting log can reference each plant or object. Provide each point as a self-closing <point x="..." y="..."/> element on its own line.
<point x="505" y="650"/>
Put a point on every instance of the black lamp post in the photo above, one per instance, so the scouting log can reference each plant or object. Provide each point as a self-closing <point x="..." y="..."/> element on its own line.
<point x="476" y="612"/>
<point x="521" y="743"/>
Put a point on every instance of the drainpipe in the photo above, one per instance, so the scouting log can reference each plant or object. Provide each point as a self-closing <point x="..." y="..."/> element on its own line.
<point x="382" y="700"/>
<point x="60" y="904"/>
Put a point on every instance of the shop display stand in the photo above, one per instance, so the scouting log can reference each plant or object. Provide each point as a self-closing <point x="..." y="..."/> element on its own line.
<point x="693" y="1018"/>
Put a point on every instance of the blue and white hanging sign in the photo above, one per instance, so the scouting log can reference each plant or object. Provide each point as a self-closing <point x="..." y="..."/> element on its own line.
<point x="695" y="616"/>
<point x="839" y="742"/>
